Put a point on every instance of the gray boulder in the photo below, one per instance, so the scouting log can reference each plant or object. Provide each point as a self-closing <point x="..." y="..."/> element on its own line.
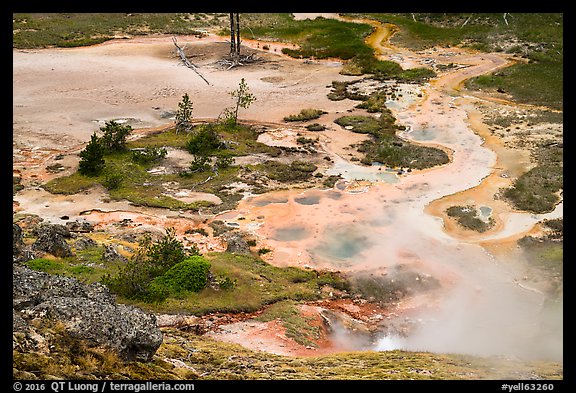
<point x="236" y="243"/>
<point x="88" y="313"/>
<point x="20" y="252"/>
<point x="111" y="254"/>
<point x="51" y="239"/>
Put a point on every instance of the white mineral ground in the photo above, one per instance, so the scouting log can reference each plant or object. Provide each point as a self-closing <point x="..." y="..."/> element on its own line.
<point x="61" y="96"/>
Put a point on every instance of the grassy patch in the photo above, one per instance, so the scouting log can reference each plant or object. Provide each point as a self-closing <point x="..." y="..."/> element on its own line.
<point x="136" y="184"/>
<point x="306" y="114"/>
<point x="360" y="124"/>
<point x="537" y="190"/>
<point x="35" y="30"/>
<point x="536" y="83"/>
<point x="257" y="284"/>
<point x="545" y="254"/>
<point x="206" y="358"/>
<point x="297" y="171"/>
<point x="319" y="38"/>
<point x="364" y="63"/>
<point x="538" y="37"/>
<point x="297" y="326"/>
<point x="386" y="148"/>
<point x="467" y="216"/>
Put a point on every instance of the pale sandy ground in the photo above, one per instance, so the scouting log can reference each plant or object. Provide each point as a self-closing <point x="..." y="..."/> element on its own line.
<point x="61" y="96"/>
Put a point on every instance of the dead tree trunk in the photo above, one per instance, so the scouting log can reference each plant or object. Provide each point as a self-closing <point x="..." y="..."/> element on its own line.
<point x="237" y="35"/>
<point x="232" y="36"/>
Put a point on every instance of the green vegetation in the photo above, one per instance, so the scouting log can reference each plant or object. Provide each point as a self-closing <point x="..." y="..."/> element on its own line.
<point x="297" y="326"/>
<point x="162" y="276"/>
<point x="376" y="102"/>
<point x="536" y="37"/>
<point x="315" y="127"/>
<point x="296" y="171"/>
<point x="467" y="216"/>
<point x="114" y="136"/>
<point x="319" y="38"/>
<point x="159" y="269"/>
<point x="387" y="148"/>
<point x="204" y="140"/>
<point x="92" y="158"/>
<point x="183" y="116"/>
<point x="92" y="162"/>
<point x="86" y="265"/>
<point x="255" y="285"/>
<point x="36" y="30"/>
<point x="127" y="174"/>
<point x="206" y="358"/>
<point x="306" y="114"/>
<point x="364" y="63"/>
<point x="244" y="98"/>
<point x="538" y="189"/>
<point x="190" y="275"/>
<point x="546" y="253"/>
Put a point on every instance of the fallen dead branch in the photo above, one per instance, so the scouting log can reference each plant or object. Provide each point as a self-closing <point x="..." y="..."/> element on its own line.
<point x="187" y="62"/>
<point x="239" y="60"/>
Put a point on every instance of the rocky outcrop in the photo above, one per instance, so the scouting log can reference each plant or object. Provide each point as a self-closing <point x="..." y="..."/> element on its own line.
<point x="17" y="243"/>
<point x="236" y="243"/>
<point x="88" y="312"/>
<point x="52" y="239"/>
<point x="20" y="252"/>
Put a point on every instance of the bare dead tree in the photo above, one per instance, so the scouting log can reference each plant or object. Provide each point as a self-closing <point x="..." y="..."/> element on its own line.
<point x="232" y="36"/>
<point x="237" y="54"/>
<point x="235" y="58"/>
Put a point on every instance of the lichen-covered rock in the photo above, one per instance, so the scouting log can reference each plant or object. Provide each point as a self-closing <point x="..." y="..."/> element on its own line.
<point x="88" y="312"/>
<point x="51" y="239"/>
<point x="83" y="243"/>
<point x="17" y="243"/>
<point x="236" y="243"/>
<point x="20" y="252"/>
<point x="110" y="254"/>
<point x="79" y="226"/>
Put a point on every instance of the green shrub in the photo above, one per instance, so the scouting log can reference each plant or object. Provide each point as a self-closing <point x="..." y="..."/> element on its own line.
<point x="296" y="171"/>
<point x="188" y="275"/>
<point x="223" y="162"/>
<point x="305" y="114"/>
<point x="536" y="190"/>
<point x="315" y="127"/>
<point x="92" y="158"/>
<point x="112" y="181"/>
<point x="200" y="163"/>
<point x="136" y="279"/>
<point x="467" y="216"/>
<point x="149" y="154"/>
<point x="114" y="137"/>
<point x="204" y="140"/>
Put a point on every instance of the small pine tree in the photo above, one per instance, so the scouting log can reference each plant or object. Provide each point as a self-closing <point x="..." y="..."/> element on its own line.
<point x="243" y="98"/>
<point x="184" y="114"/>
<point x="115" y="134"/>
<point x="92" y="158"/>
